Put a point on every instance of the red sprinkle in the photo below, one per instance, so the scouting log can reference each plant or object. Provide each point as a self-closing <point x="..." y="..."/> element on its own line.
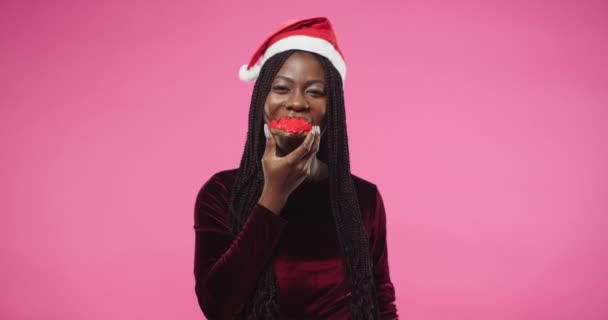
<point x="291" y="124"/>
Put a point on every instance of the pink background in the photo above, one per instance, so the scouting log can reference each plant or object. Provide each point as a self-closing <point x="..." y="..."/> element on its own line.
<point x="483" y="124"/>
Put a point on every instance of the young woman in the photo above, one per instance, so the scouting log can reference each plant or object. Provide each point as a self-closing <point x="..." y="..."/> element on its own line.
<point x="291" y="233"/>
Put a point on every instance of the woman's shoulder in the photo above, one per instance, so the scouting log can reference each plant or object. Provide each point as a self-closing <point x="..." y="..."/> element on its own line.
<point x="226" y="176"/>
<point x="368" y="197"/>
<point x="364" y="185"/>
<point x="367" y="191"/>
<point x="212" y="198"/>
<point x="218" y="185"/>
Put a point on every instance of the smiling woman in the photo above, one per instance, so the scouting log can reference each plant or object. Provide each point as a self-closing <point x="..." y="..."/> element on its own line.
<point x="298" y="91"/>
<point x="292" y="233"/>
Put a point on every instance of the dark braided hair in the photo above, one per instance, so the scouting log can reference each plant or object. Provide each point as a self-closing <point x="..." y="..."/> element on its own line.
<point x="264" y="301"/>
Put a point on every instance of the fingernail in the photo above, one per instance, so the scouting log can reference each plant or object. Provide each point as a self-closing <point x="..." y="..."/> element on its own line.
<point x="318" y="129"/>
<point x="266" y="131"/>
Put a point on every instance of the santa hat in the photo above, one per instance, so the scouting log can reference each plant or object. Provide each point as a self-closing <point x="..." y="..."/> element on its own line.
<point x="313" y="35"/>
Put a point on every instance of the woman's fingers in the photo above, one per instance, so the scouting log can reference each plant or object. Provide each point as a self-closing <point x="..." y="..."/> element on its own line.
<point x="314" y="149"/>
<point x="318" y="139"/>
<point x="315" y="144"/>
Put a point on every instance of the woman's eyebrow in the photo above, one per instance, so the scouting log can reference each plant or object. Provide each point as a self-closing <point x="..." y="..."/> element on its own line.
<point x="284" y="78"/>
<point x="307" y="83"/>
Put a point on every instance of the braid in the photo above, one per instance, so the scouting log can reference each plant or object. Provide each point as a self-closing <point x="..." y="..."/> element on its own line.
<point x="247" y="189"/>
<point x="264" y="301"/>
<point x="345" y="206"/>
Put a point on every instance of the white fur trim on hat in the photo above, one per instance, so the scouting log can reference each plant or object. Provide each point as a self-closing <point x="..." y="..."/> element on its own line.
<point x="249" y="75"/>
<point x="311" y="44"/>
<point x="299" y="42"/>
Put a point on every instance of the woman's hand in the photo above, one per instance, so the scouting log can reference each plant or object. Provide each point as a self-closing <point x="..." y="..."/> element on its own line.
<point x="282" y="175"/>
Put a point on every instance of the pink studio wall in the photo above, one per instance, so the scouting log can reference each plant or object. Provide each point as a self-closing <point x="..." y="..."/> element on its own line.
<point x="483" y="124"/>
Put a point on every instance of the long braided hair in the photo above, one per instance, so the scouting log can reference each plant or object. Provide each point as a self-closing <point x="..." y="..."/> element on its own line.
<point x="263" y="302"/>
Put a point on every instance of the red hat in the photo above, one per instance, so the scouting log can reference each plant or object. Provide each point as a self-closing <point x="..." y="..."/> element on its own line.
<point x="313" y="35"/>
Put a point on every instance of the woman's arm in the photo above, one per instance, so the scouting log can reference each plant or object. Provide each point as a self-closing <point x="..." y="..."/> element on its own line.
<point x="379" y="254"/>
<point x="226" y="267"/>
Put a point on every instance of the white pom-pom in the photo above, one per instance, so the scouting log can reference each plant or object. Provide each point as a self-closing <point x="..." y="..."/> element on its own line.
<point x="249" y="75"/>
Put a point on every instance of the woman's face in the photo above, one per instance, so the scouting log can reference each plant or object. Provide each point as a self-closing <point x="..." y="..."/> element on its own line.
<point x="297" y="90"/>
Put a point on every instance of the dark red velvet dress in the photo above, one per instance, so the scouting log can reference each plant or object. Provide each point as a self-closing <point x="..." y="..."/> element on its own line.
<point x="307" y="262"/>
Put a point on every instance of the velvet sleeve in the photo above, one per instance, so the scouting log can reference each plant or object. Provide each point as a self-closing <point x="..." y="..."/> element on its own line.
<point x="226" y="267"/>
<point x="379" y="254"/>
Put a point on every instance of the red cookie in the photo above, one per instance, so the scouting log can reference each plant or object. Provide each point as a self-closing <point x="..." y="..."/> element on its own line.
<point x="291" y="124"/>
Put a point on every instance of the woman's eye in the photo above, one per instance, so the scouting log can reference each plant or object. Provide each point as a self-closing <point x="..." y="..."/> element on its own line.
<point x="318" y="93"/>
<point x="280" y="88"/>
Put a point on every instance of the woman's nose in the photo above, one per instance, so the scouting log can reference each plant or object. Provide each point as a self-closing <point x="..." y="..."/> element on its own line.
<point x="297" y="102"/>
